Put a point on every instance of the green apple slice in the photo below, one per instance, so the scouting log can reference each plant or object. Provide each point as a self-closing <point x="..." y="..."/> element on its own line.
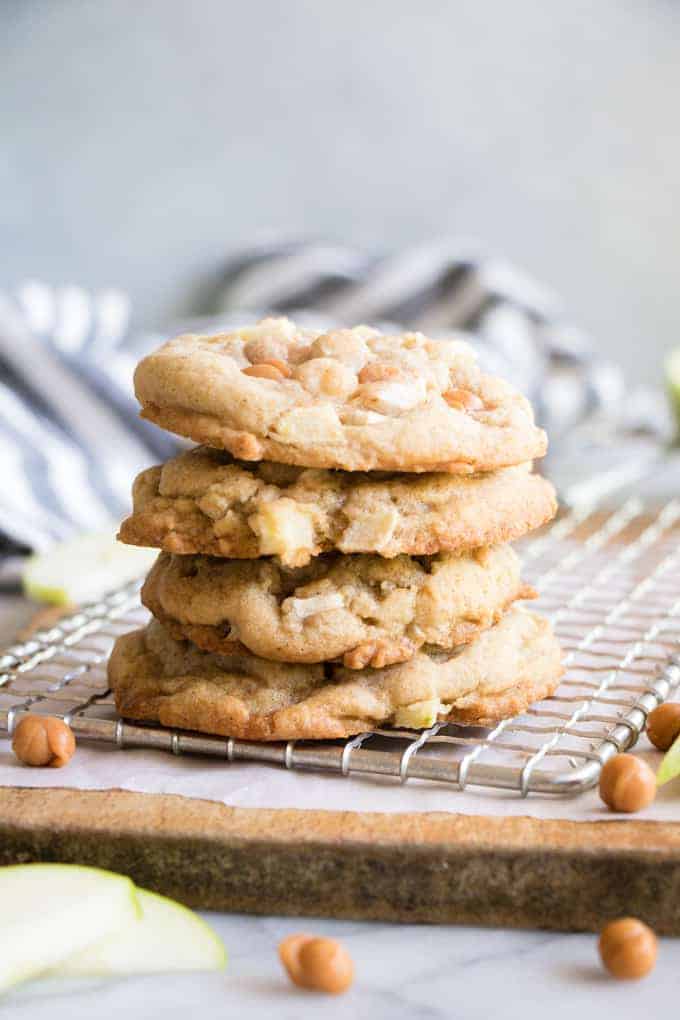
<point x="670" y="764"/>
<point x="168" y="937"/>
<point x="83" y="569"/>
<point x="672" y="371"/>
<point x="51" y="911"/>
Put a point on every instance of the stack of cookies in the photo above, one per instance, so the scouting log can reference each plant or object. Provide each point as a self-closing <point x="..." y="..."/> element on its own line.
<point x="335" y="556"/>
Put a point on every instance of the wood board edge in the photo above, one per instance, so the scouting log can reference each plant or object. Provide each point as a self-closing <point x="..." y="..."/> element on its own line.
<point x="429" y="867"/>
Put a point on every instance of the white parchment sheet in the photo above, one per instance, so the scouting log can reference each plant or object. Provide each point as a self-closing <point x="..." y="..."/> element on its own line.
<point x="255" y="785"/>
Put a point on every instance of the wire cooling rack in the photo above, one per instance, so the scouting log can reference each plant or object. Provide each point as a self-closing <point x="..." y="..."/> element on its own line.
<point x="609" y="581"/>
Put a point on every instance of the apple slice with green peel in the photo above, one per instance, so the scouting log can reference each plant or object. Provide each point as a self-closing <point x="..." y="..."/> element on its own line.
<point x="670" y="764"/>
<point x="672" y="372"/>
<point x="168" y="937"/>
<point x="83" y="569"/>
<point x="51" y="911"/>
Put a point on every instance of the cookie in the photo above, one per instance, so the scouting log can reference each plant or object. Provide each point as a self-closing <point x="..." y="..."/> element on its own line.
<point x="354" y="399"/>
<point x="365" y="610"/>
<point x="156" y="678"/>
<point x="203" y="501"/>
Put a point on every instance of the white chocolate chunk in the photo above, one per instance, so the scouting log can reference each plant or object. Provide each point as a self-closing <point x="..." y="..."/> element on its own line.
<point x="302" y="608"/>
<point x="389" y="397"/>
<point x="274" y="328"/>
<point x="345" y="345"/>
<point x="303" y="424"/>
<point x="460" y="349"/>
<point x="356" y="416"/>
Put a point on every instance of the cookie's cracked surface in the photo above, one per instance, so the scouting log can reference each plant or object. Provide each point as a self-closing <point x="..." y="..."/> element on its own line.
<point x="203" y="501"/>
<point x="171" y="682"/>
<point x="353" y="399"/>
<point x="365" y="610"/>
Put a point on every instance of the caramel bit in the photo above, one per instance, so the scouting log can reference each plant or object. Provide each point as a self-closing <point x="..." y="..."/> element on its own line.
<point x="265" y="348"/>
<point x="377" y="372"/>
<point x="43" y="740"/>
<point x="463" y="400"/>
<point x="628" y="948"/>
<point x="378" y="654"/>
<point x="627" y="783"/>
<point x="266" y="370"/>
<point x="318" y="964"/>
<point x="360" y="656"/>
<point x="663" y="725"/>
<point x="282" y="366"/>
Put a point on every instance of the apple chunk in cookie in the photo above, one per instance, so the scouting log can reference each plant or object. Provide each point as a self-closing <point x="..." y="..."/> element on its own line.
<point x="353" y="399"/>
<point x="365" y="610"/>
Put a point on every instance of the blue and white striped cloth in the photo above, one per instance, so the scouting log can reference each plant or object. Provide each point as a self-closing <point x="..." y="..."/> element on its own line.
<point x="71" y="440"/>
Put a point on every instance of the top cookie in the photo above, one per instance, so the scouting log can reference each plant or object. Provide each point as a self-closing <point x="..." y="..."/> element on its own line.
<point x="354" y="399"/>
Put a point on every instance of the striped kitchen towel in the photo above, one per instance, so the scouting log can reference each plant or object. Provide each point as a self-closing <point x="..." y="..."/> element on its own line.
<point x="70" y="437"/>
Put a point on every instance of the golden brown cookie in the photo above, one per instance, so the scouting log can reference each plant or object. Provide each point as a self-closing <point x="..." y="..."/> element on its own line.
<point x="353" y="399"/>
<point x="158" y="679"/>
<point x="203" y="501"/>
<point x="364" y="610"/>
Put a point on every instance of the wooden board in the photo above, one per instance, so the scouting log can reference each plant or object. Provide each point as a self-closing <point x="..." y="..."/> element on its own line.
<point x="444" y="868"/>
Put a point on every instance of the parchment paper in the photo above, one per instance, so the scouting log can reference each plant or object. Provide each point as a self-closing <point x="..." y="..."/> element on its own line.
<point x="253" y="785"/>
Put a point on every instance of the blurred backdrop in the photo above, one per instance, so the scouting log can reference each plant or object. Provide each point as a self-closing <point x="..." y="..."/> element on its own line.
<point x="144" y="139"/>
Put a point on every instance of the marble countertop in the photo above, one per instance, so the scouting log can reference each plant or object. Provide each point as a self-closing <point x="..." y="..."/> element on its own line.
<point x="401" y="971"/>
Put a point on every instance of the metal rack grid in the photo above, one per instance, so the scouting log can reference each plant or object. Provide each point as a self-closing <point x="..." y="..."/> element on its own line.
<point x="609" y="581"/>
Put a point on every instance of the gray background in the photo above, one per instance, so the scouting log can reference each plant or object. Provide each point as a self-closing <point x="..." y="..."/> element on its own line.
<point x="142" y="140"/>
